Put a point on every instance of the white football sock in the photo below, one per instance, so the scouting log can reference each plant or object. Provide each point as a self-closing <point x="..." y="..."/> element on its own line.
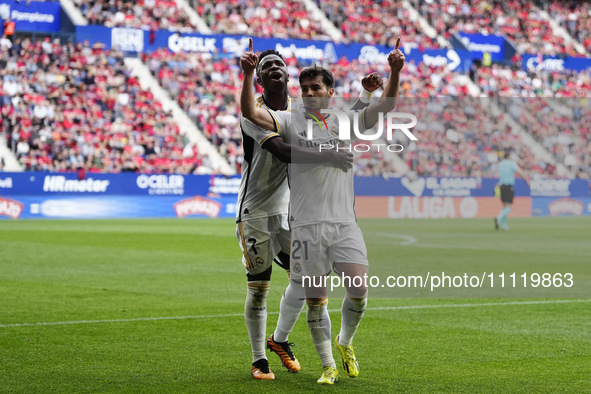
<point x="292" y="303"/>
<point x="255" y="316"/>
<point x="319" y="325"/>
<point x="352" y="311"/>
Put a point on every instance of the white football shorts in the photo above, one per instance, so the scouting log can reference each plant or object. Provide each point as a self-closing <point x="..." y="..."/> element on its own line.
<point x="316" y="247"/>
<point x="261" y="240"/>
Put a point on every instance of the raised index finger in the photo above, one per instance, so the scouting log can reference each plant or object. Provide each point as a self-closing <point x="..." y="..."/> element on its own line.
<point x="250" y="44"/>
<point x="397" y="43"/>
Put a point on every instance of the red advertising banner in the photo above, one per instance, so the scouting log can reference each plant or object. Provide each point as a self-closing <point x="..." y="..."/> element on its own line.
<point x="438" y="207"/>
<point x="10" y="208"/>
<point x="197" y="206"/>
<point x="566" y="206"/>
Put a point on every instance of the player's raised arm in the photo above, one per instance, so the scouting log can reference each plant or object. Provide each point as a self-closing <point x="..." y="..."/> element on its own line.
<point x="389" y="98"/>
<point x="258" y="116"/>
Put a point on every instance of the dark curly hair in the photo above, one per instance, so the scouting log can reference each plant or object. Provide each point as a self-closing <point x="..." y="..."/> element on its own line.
<point x="270" y="52"/>
<point x="314" y="71"/>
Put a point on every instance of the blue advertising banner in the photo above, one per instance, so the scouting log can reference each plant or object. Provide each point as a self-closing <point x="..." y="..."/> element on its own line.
<point x="32" y="15"/>
<point x="553" y="63"/>
<point x="566" y="206"/>
<point x="560" y="188"/>
<point x="101" y="196"/>
<point x="131" y="184"/>
<point x="432" y="186"/>
<point x="464" y="187"/>
<point x="480" y="43"/>
<point x="136" y="40"/>
<point x="113" y="207"/>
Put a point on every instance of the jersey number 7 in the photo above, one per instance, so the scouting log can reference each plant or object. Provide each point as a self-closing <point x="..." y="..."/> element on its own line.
<point x="254" y="242"/>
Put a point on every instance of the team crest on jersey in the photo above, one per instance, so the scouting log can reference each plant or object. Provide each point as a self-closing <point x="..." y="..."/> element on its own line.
<point x="259" y="260"/>
<point x="297" y="268"/>
<point x="334" y="131"/>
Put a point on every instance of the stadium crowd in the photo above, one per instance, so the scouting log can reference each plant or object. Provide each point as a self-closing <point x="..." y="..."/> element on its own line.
<point x="371" y="22"/>
<point x="519" y="20"/>
<point x="462" y="137"/>
<point x="207" y="89"/>
<point x="267" y="18"/>
<point x="473" y="142"/>
<point x="142" y="14"/>
<point x="376" y="22"/>
<point x="505" y="81"/>
<point x="75" y="107"/>
<point x="575" y="17"/>
<point x="550" y="106"/>
<point x="562" y="126"/>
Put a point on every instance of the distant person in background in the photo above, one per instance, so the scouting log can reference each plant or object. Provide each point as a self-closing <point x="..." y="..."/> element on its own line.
<point x="5" y="43"/>
<point x="9" y="28"/>
<point x="486" y="59"/>
<point x="507" y="170"/>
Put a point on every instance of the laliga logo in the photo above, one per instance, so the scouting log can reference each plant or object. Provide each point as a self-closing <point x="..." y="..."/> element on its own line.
<point x="345" y="128"/>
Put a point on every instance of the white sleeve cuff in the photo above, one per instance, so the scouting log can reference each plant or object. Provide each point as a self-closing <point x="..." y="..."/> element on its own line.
<point x="365" y="95"/>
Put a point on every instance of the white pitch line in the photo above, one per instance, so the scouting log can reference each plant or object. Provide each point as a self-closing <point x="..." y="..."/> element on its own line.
<point x="380" y="308"/>
<point x="60" y="323"/>
<point x="409" y="240"/>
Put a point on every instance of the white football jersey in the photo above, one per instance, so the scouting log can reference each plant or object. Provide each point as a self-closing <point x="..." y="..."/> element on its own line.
<point x="319" y="192"/>
<point x="264" y="190"/>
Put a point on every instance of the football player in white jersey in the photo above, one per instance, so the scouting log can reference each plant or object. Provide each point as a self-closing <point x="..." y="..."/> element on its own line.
<point x="325" y="235"/>
<point x="262" y="229"/>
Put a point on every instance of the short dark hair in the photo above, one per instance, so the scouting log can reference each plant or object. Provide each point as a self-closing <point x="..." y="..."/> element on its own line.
<point x="270" y="52"/>
<point x="314" y="71"/>
<point x="507" y="153"/>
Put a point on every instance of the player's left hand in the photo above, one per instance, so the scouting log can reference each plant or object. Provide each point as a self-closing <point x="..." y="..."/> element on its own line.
<point x="249" y="61"/>
<point x="396" y="58"/>
<point x="372" y="82"/>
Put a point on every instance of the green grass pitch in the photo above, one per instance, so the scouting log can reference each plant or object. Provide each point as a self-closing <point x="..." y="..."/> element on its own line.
<point x="100" y="283"/>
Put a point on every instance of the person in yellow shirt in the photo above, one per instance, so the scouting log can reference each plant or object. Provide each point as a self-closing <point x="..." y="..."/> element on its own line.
<point x="486" y="59"/>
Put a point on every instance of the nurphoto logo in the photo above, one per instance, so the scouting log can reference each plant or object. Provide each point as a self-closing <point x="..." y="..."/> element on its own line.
<point x="345" y="129"/>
